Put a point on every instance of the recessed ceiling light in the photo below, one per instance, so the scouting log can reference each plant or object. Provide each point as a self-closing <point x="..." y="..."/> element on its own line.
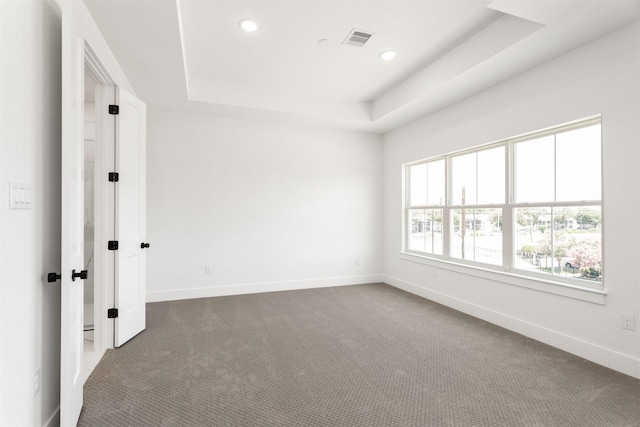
<point x="249" y="26"/>
<point x="388" y="55"/>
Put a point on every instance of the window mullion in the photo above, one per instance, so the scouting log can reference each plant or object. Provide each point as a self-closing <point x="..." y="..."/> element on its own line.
<point x="555" y="168"/>
<point x="508" y="226"/>
<point x="552" y="236"/>
<point x="475" y="192"/>
<point x="406" y="220"/>
<point x="446" y="211"/>
<point x="552" y="227"/>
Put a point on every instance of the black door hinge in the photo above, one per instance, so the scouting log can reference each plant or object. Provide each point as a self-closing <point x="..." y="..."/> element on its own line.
<point x="114" y="109"/>
<point x="112" y="245"/>
<point x="112" y="313"/>
<point x="114" y="177"/>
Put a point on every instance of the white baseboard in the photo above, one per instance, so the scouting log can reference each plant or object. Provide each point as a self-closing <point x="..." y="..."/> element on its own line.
<point x="589" y="351"/>
<point x="252" y="288"/>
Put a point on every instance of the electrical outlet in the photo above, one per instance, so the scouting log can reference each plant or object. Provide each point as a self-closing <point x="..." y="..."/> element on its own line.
<point x="207" y="269"/>
<point x="36" y="382"/>
<point x="628" y="321"/>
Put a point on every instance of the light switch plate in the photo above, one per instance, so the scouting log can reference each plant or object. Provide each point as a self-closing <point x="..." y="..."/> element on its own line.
<point x="19" y="195"/>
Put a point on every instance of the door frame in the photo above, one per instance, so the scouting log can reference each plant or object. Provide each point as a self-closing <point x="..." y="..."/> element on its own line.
<point x="104" y="260"/>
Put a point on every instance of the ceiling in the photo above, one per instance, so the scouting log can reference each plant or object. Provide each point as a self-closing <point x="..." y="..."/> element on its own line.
<point x="192" y="55"/>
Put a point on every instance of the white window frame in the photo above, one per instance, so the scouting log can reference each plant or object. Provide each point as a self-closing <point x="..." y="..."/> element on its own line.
<point x="508" y="272"/>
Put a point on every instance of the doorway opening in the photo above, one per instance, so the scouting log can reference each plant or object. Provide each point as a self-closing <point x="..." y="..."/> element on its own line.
<point x="98" y="217"/>
<point x="91" y="356"/>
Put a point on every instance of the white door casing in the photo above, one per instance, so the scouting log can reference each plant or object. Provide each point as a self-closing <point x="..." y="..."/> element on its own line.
<point x="130" y="275"/>
<point x="72" y="222"/>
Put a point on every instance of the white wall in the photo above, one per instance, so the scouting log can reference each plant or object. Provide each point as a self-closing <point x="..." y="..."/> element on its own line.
<point x="267" y="206"/>
<point x="30" y="147"/>
<point x="30" y="244"/>
<point x="599" y="78"/>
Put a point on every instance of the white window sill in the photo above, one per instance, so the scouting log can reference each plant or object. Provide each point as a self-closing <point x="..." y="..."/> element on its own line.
<point x="591" y="295"/>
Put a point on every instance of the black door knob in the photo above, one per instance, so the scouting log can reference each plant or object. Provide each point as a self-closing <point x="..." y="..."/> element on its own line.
<point x="52" y="277"/>
<point x="144" y="245"/>
<point x="82" y="275"/>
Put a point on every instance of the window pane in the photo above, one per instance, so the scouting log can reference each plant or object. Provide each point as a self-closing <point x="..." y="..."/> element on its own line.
<point x="433" y="231"/>
<point x="491" y="174"/>
<point x="418" y="185"/>
<point x="562" y="241"/>
<point x="564" y="238"/>
<point x="578" y="242"/>
<point x="534" y="171"/>
<point x="463" y="177"/>
<point x="578" y="175"/>
<point x="457" y="237"/>
<point x="532" y="239"/>
<point x="416" y="230"/>
<point x="480" y="238"/>
<point x="426" y="231"/>
<point x="436" y="179"/>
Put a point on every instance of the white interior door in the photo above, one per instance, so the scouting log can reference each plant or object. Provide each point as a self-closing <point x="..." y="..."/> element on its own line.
<point x="130" y="274"/>
<point x="72" y="257"/>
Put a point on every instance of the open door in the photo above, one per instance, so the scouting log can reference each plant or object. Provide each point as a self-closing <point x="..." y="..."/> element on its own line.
<point x="130" y="289"/>
<point x="72" y="256"/>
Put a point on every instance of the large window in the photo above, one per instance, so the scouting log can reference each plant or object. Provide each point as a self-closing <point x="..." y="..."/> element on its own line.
<point x="530" y="205"/>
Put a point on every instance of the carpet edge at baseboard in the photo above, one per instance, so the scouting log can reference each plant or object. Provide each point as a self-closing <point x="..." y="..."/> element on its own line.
<point x="252" y="288"/>
<point x="612" y="359"/>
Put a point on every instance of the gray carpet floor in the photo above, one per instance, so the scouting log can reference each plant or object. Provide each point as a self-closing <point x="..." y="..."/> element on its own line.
<point x="366" y="355"/>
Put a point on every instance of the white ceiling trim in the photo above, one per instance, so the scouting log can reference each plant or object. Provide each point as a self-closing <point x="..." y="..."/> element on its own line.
<point x="492" y="42"/>
<point x="488" y="42"/>
<point x="255" y="96"/>
<point x="501" y="32"/>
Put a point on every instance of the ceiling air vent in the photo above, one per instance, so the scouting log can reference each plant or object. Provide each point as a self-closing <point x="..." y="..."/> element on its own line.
<point x="357" y="38"/>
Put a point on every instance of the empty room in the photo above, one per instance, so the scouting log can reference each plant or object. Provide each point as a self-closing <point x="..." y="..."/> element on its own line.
<point x="320" y="213"/>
